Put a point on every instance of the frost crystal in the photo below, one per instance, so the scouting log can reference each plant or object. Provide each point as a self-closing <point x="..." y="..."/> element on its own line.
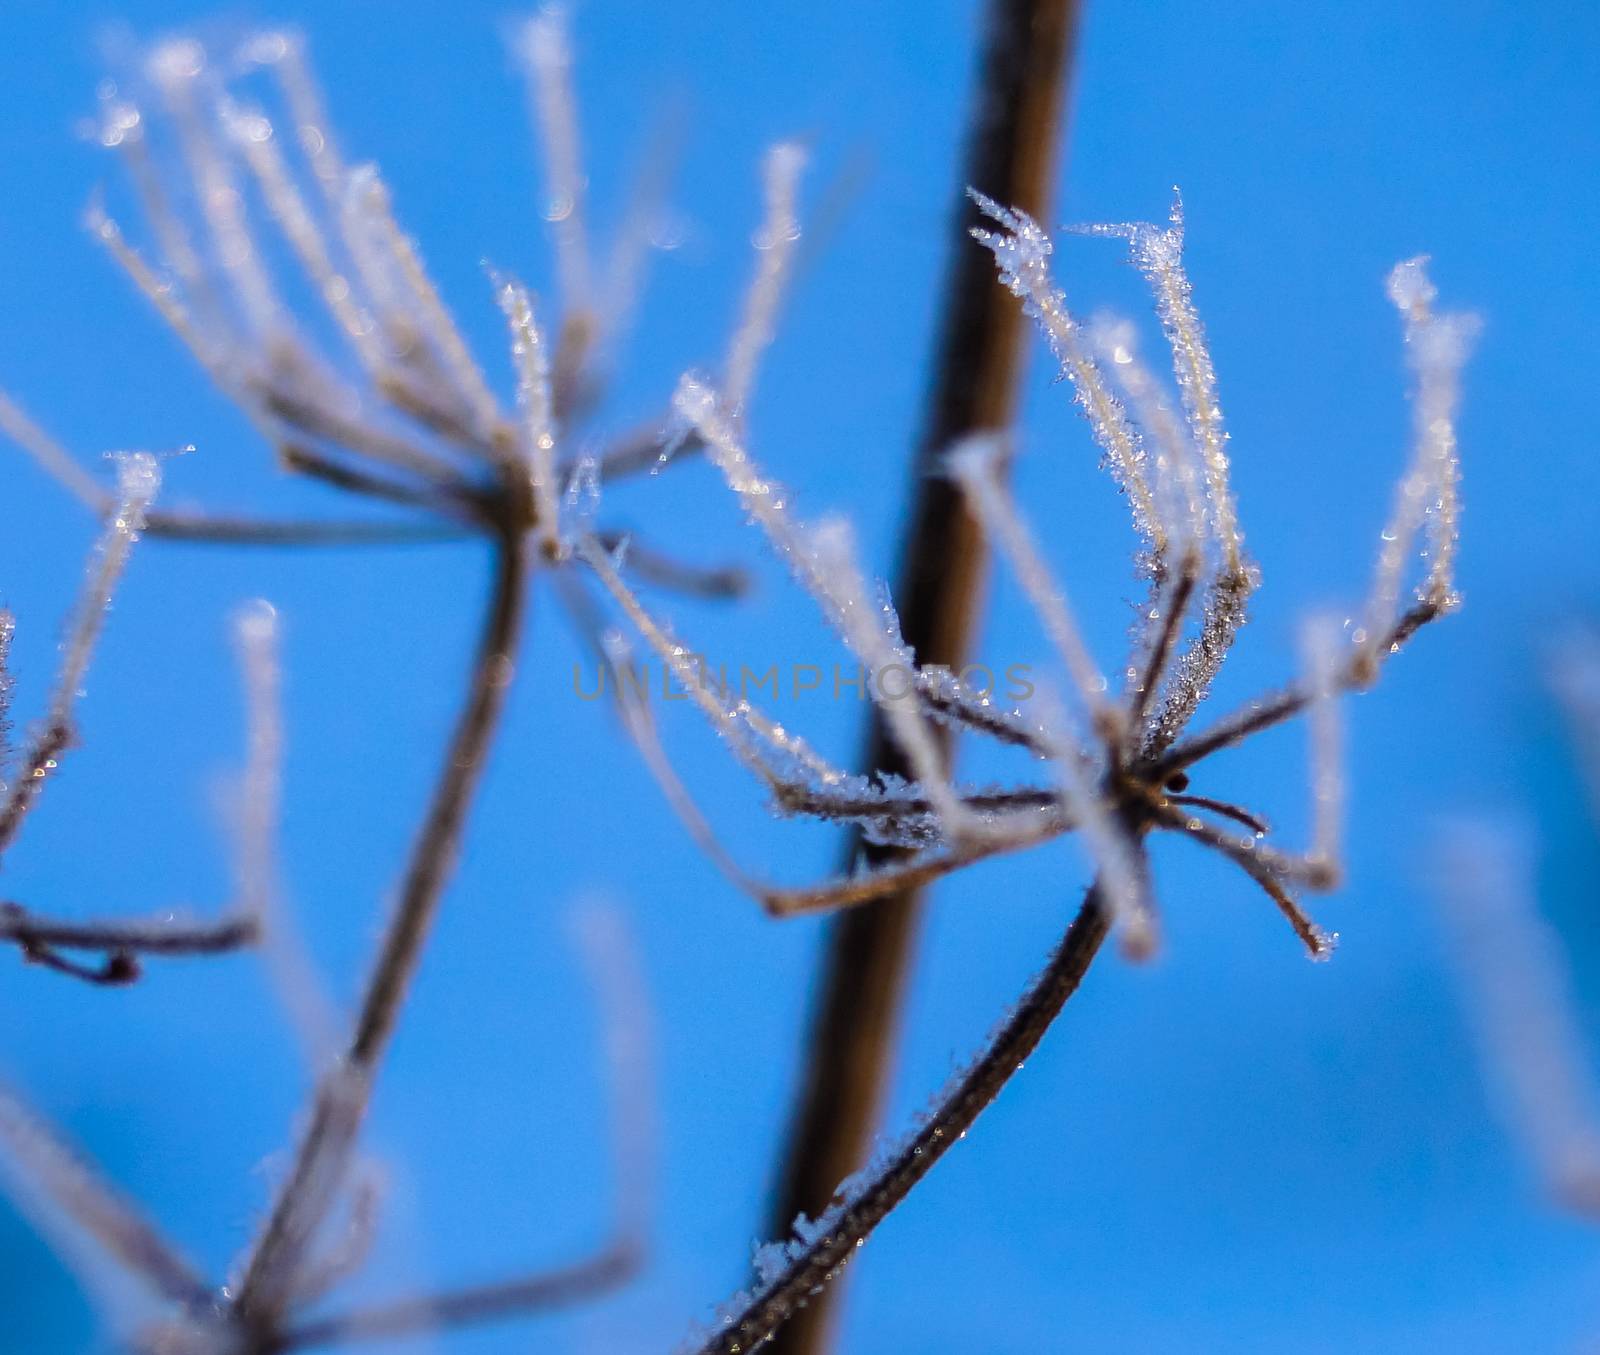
<point x="1022" y="252"/>
<point x="1428" y="497"/>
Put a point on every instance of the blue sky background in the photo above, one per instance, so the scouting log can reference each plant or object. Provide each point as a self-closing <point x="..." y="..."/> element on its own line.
<point x="1227" y="1150"/>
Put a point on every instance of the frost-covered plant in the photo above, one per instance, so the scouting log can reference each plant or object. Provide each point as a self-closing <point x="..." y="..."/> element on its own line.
<point x="1118" y="766"/>
<point x="409" y="418"/>
<point x="47" y="939"/>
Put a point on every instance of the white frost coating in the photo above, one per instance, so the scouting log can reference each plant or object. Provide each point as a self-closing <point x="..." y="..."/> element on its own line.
<point x="124" y="130"/>
<point x="1438" y="347"/>
<point x="388" y="266"/>
<point x="725" y="719"/>
<point x="765" y="501"/>
<point x="283" y="53"/>
<point x="1158" y="253"/>
<point x="1115" y="853"/>
<point x="973" y="464"/>
<point x="1179" y="488"/>
<point x="363" y="206"/>
<point x="254" y="135"/>
<point x="873" y="636"/>
<point x="1324" y="646"/>
<point x="1427" y="498"/>
<point x="740" y="723"/>
<point x="1022" y="253"/>
<point x="416" y="327"/>
<point x="209" y="350"/>
<point x="176" y="69"/>
<point x="305" y="1001"/>
<point x="138" y="478"/>
<point x="544" y="47"/>
<point x="460" y="368"/>
<point x="775" y="244"/>
<point x="1519" y="999"/>
<point x="531" y="356"/>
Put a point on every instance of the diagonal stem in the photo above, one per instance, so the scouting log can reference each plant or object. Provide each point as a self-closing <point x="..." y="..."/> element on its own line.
<point x="1010" y="156"/>
<point x="840" y="1233"/>
<point x="480" y="1304"/>
<point x="1274" y="709"/>
<point x="341" y="1099"/>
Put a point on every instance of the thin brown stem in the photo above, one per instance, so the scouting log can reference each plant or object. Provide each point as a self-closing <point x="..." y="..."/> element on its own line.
<point x="1011" y="152"/>
<point x="206" y="530"/>
<point x="845" y="1227"/>
<point x="1228" y="811"/>
<point x="467" y="505"/>
<point x="1154" y="669"/>
<point x="341" y="1099"/>
<point x="827" y="804"/>
<point x="472" y="1306"/>
<point x="651" y="566"/>
<point x="127" y="936"/>
<point x="636" y="453"/>
<point x="36" y="765"/>
<point x="1259" y="867"/>
<point x="1284" y="705"/>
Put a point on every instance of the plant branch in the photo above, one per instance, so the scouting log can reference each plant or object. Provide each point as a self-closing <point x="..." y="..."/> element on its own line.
<point x="1286" y="704"/>
<point x="843" y="1229"/>
<point x="1011" y="149"/>
<point x="41" y="938"/>
<point x="223" y="530"/>
<point x="468" y="1307"/>
<point x="341" y="1099"/>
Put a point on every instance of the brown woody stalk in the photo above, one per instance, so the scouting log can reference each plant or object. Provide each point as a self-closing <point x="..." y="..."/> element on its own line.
<point x="1011" y="154"/>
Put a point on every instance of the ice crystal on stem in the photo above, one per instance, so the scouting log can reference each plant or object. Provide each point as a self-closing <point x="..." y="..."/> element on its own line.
<point x="1428" y="497"/>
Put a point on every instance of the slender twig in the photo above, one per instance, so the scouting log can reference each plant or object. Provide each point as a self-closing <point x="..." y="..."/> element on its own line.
<point x="651" y="566"/>
<point x="1010" y="156"/>
<point x="209" y="530"/>
<point x="465" y="504"/>
<point x="1260" y="867"/>
<point x="144" y="936"/>
<point x="1228" y="811"/>
<point x="340" y="1102"/>
<point x="841" y="1230"/>
<point x="1154" y="668"/>
<point x="467" y="1307"/>
<point x="1286" y="704"/>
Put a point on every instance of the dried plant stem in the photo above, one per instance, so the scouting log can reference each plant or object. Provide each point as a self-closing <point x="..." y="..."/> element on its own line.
<point x="842" y="1233"/>
<point x="1010" y="156"/>
<point x="145" y="936"/>
<point x="208" y="530"/>
<point x="468" y="1307"/>
<point x="342" y="1097"/>
<point x="1288" y="703"/>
